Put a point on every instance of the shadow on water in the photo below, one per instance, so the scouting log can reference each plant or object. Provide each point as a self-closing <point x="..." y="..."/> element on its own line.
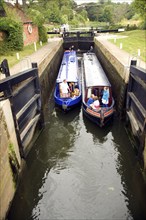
<point x="99" y="134"/>
<point x="51" y="147"/>
<point x="127" y="165"/>
<point x="77" y="170"/>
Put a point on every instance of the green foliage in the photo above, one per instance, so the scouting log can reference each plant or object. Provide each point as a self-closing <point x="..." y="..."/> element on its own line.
<point x="55" y="11"/>
<point x="67" y="11"/>
<point x="76" y="20"/>
<point x="13" y="163"/>
<point x="108" y="14"/>
<point x="131" y="27"/>
<point x="3" y="48"/>
<point x="140" y="7"/>
<point x="92" y="11"/>
<point x="36" y="16"/>
<point x="83" y="13"/>
<point x="14" y="35"/>
<point x="11" y="14"/>
<point x="123" y="11"/>
<point x="42" y="34"/>
<point x="143" y="25"/>
<point x="135" y="40"/>
<point x="27" y="51"/>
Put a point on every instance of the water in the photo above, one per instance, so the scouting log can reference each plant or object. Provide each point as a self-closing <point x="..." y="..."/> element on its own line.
<point x="79" y="171"/>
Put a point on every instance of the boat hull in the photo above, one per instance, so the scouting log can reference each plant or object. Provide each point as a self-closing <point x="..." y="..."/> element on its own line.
<point x="101" y="118"/>
<point x="67" y="104"/>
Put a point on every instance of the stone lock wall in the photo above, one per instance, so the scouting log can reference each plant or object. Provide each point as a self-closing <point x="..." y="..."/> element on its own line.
<point x="9" y="158"/>
<point x="49" y="74"/>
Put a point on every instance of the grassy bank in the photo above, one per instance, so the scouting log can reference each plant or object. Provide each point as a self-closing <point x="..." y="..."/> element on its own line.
<point x="12" y="57"/>
<point x="134" y="41"/>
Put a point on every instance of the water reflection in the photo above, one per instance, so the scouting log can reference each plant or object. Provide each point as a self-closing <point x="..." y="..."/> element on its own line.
<point x="99" y="135"/>
<point x="79" y="171"/>
<point x="48" y="153"/>
<point x="134" y="187"/>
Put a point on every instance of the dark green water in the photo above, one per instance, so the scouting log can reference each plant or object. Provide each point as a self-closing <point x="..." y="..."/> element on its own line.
<point x="79" y="171"/>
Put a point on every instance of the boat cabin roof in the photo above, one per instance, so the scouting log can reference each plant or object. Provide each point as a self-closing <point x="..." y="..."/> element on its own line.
<point x="94" y="73"/>
<point x="69" y="67"/>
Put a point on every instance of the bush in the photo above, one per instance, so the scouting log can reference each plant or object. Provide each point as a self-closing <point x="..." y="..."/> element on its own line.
<point x="14" y="34"/>
<point x="3" y="48"/>
<point x="115" y="27"/>
<point x="142" y="25"/>
<point x="42" y="34"/>
<point x="131" y="27"/>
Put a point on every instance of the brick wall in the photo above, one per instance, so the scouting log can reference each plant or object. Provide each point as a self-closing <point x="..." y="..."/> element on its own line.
<point x="30" y="34"/>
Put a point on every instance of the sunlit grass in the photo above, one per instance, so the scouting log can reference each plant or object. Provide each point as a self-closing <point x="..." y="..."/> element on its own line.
<point x="135" y="40"/>
<point x="12" y="57"/>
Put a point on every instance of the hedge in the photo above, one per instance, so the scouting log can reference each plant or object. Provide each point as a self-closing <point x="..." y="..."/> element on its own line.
<point x="14" y="35"/>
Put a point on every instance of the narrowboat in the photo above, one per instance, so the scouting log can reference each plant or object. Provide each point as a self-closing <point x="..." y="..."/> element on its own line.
<point x="97" y="100"/>
<point x="67" y="92"/>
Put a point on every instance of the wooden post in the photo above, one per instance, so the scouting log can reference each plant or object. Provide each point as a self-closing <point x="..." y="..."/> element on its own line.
<point x="133" y="62"/>
<point x="17" y="55"/>
<point x="35" y="47"/>
<point x="139" y="52"/>
<point x="5" y="68"/>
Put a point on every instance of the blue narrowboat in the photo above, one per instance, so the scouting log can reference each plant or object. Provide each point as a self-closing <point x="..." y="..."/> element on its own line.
<point x="69" y="74"/>
<point x="97" y="100"/>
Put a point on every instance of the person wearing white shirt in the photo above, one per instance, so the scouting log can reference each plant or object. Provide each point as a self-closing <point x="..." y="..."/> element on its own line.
<point x="64" y="89"/>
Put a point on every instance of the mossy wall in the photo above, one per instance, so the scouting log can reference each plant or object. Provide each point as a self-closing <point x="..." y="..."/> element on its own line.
<point x="49" y="73"/>
<point x="7" y="182"/>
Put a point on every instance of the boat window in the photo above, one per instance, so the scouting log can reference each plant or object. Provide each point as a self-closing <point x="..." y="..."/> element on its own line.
<point x="89" y="93"/>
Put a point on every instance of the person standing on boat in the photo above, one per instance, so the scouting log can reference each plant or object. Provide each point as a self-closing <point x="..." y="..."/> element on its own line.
<point x="105" y="97"/>
<point x="64" y="89"/>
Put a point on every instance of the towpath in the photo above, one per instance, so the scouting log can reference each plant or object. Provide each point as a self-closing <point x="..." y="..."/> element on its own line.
<point x="36" y="57"/>
<point x="124" y="57"/>
<point x="40" y="54"/>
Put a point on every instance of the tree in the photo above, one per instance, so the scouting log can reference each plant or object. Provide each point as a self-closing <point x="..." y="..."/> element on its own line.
<point x="68" y="12"/>
<point x="2" y="10"/>
<point x="140" y="7"/>
<point x="123" y="10"/>
<point x="104" y="1"/>
<point x="92" y="12"/>
<point x="107" y="15"/>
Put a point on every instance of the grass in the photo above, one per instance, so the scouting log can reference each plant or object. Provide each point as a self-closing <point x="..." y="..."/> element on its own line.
<point x="12" y="57"/>
<point x="134" y="41"/>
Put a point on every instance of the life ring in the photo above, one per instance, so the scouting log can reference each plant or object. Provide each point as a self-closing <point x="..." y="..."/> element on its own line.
<point x="29" y="28"/>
